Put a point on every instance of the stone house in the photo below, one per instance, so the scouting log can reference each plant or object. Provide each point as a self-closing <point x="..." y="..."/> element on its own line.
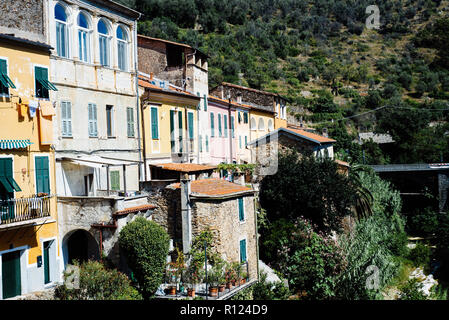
<point x="187" y="208"/>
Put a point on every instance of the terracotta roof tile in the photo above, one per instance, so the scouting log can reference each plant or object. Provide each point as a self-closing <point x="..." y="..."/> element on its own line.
<point x="214" y="187"/>
<point x="184" y="167"/>
<point x="310" y="135"/>
<point x="136" y="209"/>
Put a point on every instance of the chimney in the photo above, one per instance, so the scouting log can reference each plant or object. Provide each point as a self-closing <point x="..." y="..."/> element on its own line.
<point x="325" y="132"/>
<point x="151" y="75"/>
<point x="186" y="213"/>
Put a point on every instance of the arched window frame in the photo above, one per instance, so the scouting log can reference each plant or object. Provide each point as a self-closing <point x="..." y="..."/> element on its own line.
<point x="261" y="125"/>
<point x="253" y="124"/>
<point x="270" y="125"/>
<point x="84" y="37"/>
<point x="104" y="42"/>
<point x="62" y="31"/>
<point x="122" y="48"/>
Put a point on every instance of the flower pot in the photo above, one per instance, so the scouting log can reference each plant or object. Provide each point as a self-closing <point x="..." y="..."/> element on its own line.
<point x="191" y="293"/>
<point x="228" y="285"/>
<point x="221" y="288"/>
<point x="213" y="291"/>
<point x="242" y="281"/>
<point x="172" y="291"/>
<point x="233" y="283"/>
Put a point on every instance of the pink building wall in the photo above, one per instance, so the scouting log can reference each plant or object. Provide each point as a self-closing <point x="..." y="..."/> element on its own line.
<point x="220" y="146"/>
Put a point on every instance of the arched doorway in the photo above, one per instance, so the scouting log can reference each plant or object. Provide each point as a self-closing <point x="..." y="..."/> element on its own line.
<point x="80" y="245"/>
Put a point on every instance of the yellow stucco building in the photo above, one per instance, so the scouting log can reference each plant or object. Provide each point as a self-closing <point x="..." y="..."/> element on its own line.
<point x="29" y="244"/>
<point x="169" y="125"/>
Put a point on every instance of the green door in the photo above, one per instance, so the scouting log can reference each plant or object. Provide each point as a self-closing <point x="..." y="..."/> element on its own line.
<point x="47" y="245"/>
<point x="42" y="175"/>
<point x="11" y="274"/>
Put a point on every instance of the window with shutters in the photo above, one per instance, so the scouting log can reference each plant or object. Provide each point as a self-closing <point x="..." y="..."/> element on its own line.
<point x="5" y="81"/>
<point x="66" y="118"/>
<point x="200" y="142"/>
<point x="172" y="130"/>
<point x="62" y="37"/>
<point x="232" y="126"/>
<point x="219" y="125"/>
<point x="207" y="143"/>
<point x="245" y="117"/>
<point x="205" y="102"/>
<point x="180" y="131"/>
<point x="130" y="122"/>
<point x="41" y="91"/>
<point x="212" y="124"/>
<point x="154" y="123"/>
<point x="241" y="209"/>
<point x="109" y="121"/>
<point x="42" y="175"/>
<point x="243" y="250"/>
<point x="240" y="142"/>
<point x="225" y="120"/>
<point x="190" y="131"/>
<point x="246" y="141"/>
<point x="92" y="112"/>
<point x="115" y="180"/>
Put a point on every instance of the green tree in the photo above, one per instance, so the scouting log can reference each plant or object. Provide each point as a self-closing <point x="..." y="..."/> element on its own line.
<point x="145" y="246"/>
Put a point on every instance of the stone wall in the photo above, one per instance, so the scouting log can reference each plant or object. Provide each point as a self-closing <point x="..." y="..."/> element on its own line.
<point x="266" y="102"/>
<point x="23" y="18"/>
<point x="222" y="217"/>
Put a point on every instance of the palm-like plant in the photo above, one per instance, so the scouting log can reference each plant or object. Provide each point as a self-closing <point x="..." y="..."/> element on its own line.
<point x="364" y="199"/>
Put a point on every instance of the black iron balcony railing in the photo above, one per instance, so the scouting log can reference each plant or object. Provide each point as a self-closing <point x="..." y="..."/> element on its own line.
<point x="23" y="209"/>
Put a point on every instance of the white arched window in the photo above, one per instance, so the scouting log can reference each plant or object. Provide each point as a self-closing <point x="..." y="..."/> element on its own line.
<point x="253" y="124"/>
<point x="62" y="34"/>
<point x="270" y="125"/>
<point x="104" y="41"/>
<point x="261" y="124"/>
<point x="84" y="31"/>
<point x="122" y="48"/>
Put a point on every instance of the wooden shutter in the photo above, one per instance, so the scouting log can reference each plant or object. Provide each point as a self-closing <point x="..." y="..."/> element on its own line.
<point x="241" y="210"/>
<point x="205" y="102"/>
<point x="243" y="250"/>
<point x="225" y="120"/>
<point x="190" y="119"/>
<point x="219" y="125"/>
<point x="200" y="141"/>
<point x="130" y="121"/>
<point x="232" y="126"/>
<point x="42" y="175"/>
<point x="154" y="123"/>
<point x="115" y="180"/>
<point x="47" y="261"/>
<point x="180" y="130"/>
<point x="212" y="129"/>
<point x="172" y="130"/>
<point x="207" y="143"/>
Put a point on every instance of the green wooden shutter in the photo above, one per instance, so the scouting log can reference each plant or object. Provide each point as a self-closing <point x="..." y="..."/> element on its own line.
<point x="241" y="210"/>
<point x="243" y="250"/>
<point x="240" y="142"/>
<point x="232" y="126"/>
<point x="205" y="102"/>
<point x="207" y="143"/>
<point x="154" y="123"/>
<point x="199" y="103"/>
<point x="190" y="119"/>
<point x="219" y="125"/>
<point x="200" y="143"/>
<point x="180" y="130"/>
<point x="115" y="180"/>
<point x="130" y="122"/>
<point x="245" y="117"/>
<point x="172" y="130"/>
<point x="212" y="129"/>
<point x="225" y="120"/>
<point x="246" y="141"/>
<point x="42" y="175"/>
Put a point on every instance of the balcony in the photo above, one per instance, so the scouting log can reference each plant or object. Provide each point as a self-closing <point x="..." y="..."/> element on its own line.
<point x="24" y="211"/>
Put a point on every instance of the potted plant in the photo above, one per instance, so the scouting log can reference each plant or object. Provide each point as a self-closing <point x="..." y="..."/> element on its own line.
<point x="237" y="270"/>
<point x="171" y="273"/>
<point x="175" y="271"/>
<point x="212" y="280"/>
<point x="193" y="276"/>
<point x="243" y="277"/>
<point x="229" y="276"/>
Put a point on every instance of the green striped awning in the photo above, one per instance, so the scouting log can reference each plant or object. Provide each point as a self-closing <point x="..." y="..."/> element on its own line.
<point x="14" y="144"/>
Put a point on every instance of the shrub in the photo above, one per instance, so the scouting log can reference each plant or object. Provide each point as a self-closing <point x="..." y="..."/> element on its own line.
<point x="423" y="223"/>
<point x="145" y="246"/>
<point x="98" y="283"/>
<point x="264" y="290"/>
<point x="411" y="291"/>
<point x="420" y="255"/>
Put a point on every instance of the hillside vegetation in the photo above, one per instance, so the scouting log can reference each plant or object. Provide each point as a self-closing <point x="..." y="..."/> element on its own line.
<point x="320" y="55"/>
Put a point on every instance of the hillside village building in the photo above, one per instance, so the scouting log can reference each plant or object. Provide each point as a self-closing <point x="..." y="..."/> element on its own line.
<point x="30" y="259"/>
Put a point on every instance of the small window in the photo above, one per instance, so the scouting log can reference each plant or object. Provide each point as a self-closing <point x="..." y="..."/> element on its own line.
<point x="154" y="123"/>
<point x="253" y="124"/>
<point x="261" y="124"/>
<point x="41" y="83"/>
<point x="66" y="118"/>
<point x="122" y="48"/>
<point x="115" y="180"/>
<point x="243" y="250"/>
<point x="62" y="36"/>
<point x="109" y="120"/>
<point x="130" y="122"/>
<point x="241" y="210"/>
<point x="92" y="113"/>
<point x="245" y="117"/>
<point x="5" y="81"/>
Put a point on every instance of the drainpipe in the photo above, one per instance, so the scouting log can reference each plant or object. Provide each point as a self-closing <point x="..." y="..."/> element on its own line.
<point x="187" y="134"/>
<point x="136" y="69"/>
<point x="186" y="213"/>
<point x="198" y="132"/>
<point x="230" y="131"/>
<point x="144" y="140"/>
<point x="257" y="238"/>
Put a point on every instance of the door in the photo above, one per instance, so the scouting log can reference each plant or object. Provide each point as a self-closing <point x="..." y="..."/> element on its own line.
<point x="47" y="245"/>
<point x="11" y="281"/>
<point x="88" y="181"/>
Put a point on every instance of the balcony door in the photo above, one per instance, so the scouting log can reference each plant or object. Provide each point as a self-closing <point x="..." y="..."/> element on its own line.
<point x="6" y="189"/>
<point x="11" y="280"/>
